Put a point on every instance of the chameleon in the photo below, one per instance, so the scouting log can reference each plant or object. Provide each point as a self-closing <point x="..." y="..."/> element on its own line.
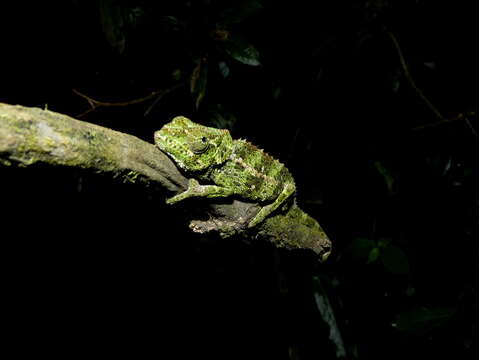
<point x="230" y="167"/>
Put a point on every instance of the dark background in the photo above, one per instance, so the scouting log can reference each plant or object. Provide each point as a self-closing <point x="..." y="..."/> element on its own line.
<point x="386" y="160"/>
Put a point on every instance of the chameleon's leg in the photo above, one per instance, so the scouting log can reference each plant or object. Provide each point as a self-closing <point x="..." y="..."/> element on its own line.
<point x="197" y="190"/>
<point x="288" y="190"/>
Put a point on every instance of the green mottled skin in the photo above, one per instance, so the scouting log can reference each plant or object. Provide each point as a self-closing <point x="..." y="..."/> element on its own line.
<point x="235" y="167"/>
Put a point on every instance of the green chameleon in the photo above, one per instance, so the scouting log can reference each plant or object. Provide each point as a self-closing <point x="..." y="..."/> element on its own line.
<point x="235" y="167"/>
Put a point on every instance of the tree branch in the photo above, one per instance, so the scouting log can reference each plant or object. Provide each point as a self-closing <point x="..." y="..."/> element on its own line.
<point x="33" y="135"/>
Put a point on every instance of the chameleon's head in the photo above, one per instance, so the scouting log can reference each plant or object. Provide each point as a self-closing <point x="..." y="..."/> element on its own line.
<point x="194" y="147"/>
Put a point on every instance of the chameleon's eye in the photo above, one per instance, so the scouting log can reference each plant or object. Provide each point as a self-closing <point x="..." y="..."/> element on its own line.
<point x="200" y="146"/>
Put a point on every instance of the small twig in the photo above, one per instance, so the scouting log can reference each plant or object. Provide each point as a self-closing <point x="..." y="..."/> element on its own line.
<point x="96" y="103"/>
<point x="409" y="78"/>
<point x="469" y="125"/>
<point x="444" y="121"/>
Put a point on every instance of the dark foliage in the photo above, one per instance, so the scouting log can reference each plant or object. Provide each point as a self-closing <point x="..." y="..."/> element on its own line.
<point x="371" y="104"/>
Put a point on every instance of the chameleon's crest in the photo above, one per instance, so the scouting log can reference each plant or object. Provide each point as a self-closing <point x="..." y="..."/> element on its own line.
<point x="194" y="147"/>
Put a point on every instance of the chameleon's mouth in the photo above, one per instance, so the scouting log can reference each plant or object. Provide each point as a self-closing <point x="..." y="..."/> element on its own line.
<point x="325" y="253"/>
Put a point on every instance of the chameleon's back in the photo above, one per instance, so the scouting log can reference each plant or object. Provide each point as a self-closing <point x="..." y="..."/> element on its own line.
<point x="255" y="174"/>
<point x="235" y="167"/>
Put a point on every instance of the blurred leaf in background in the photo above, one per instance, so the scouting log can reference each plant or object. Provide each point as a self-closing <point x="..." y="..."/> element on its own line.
<point x="395" y="260"/>
<point x="369" y="251"/>
<point x="240" y="49"/>
<point x="241" y="11"/>
<point x="327" y="314"/>
<point x="421" y="320"/>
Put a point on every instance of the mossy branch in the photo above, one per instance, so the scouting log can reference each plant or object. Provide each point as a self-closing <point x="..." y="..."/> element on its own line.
<point x="33" y="135"/>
